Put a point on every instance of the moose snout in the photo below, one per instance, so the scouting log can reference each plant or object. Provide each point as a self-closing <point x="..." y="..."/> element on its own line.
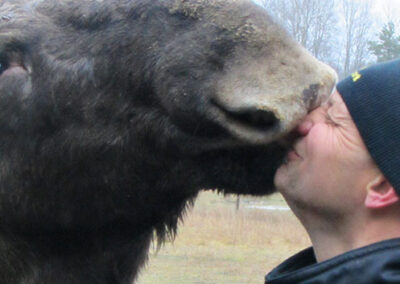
<point x="259" y="109"/>
<point x="248" y="117"/>
<point x="316" y="94"/>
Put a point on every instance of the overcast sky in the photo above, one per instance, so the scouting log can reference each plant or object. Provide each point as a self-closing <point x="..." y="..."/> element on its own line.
<point x="387" y="10"/>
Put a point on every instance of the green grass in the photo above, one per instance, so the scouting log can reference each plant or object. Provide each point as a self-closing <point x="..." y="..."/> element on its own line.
<point x="218" y="244"/>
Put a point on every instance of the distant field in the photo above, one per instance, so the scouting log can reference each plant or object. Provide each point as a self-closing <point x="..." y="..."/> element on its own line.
<point x="218" y="244"/>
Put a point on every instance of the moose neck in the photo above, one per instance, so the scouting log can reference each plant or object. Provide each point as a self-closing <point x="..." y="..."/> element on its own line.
<point x="101" y="257"/>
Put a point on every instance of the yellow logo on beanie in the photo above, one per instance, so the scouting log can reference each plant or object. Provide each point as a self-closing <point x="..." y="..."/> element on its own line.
<point x="356" y="76"/>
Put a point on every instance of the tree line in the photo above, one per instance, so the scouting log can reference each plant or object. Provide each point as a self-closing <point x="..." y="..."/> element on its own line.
<point x="342" y="33"/>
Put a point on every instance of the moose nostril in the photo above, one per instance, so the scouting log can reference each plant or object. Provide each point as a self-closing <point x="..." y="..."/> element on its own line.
<point x="260" y="119"/>
<point x="251" y="117"/>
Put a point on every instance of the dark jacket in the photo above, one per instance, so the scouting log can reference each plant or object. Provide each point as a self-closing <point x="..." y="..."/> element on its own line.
<point x="376" y="263"/>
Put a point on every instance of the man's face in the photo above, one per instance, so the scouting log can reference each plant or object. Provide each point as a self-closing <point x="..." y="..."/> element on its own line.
<point x="329" y="167"/>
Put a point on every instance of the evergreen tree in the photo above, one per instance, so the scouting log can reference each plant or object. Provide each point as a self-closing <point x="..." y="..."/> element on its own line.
<point x="388" y="45"/>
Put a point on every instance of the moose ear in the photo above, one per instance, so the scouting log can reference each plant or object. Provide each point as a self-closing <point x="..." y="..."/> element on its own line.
<point x="380" y="193"/>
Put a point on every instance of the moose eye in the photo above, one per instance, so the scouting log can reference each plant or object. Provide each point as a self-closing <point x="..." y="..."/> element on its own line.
<point x="3" y="65"/>
<point x="2" y="68"/>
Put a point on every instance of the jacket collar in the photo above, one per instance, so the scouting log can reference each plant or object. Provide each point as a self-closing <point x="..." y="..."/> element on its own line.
<point x="376" y="263"/>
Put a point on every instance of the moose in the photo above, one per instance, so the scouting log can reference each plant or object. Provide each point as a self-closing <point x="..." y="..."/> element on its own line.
<point x="114" y="114"/>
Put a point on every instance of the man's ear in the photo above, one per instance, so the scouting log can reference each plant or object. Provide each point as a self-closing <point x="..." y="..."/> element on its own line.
<point x="380" y="193"/>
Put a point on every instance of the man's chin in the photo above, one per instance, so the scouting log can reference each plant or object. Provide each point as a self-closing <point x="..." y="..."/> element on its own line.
<point x="285" y="173"/>
<point x="280" y="175"/>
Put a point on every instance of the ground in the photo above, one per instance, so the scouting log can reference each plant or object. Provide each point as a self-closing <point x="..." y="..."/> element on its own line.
<point x="218" y="244"/>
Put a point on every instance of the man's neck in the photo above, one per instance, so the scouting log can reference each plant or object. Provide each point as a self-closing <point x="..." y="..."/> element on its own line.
<point x="332" y="238"/>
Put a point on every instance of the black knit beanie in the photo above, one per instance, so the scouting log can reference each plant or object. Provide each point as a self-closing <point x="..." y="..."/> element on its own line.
<point x="372" y="96"/>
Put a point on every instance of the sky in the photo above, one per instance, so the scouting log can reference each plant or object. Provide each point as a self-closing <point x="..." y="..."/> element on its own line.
<point x="387" y="10"/>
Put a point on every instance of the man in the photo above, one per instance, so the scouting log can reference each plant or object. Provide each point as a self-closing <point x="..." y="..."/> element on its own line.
<point x="342" y="180"/>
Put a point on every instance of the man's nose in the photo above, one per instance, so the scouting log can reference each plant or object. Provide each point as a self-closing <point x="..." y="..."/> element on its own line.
<point x="300" y="131"/>
<point x="304" y="127"/>
<point x="313" y="117"/>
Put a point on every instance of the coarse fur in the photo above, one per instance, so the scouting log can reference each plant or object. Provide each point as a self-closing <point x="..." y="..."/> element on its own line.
<point x="114" y="114"/>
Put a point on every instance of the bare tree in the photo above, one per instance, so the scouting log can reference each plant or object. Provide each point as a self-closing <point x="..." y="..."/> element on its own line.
<point x="323" y="29"/>
<point x="310" y="22"/>
<point x="335" y="31"/>
<point x="357" y="23"/>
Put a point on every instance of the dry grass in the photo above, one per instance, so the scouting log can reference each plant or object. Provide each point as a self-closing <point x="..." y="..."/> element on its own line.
<point x="217" y="244"/>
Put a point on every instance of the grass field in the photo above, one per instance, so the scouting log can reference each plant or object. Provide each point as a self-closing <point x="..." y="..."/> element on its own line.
<point x="218" y="244"/>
